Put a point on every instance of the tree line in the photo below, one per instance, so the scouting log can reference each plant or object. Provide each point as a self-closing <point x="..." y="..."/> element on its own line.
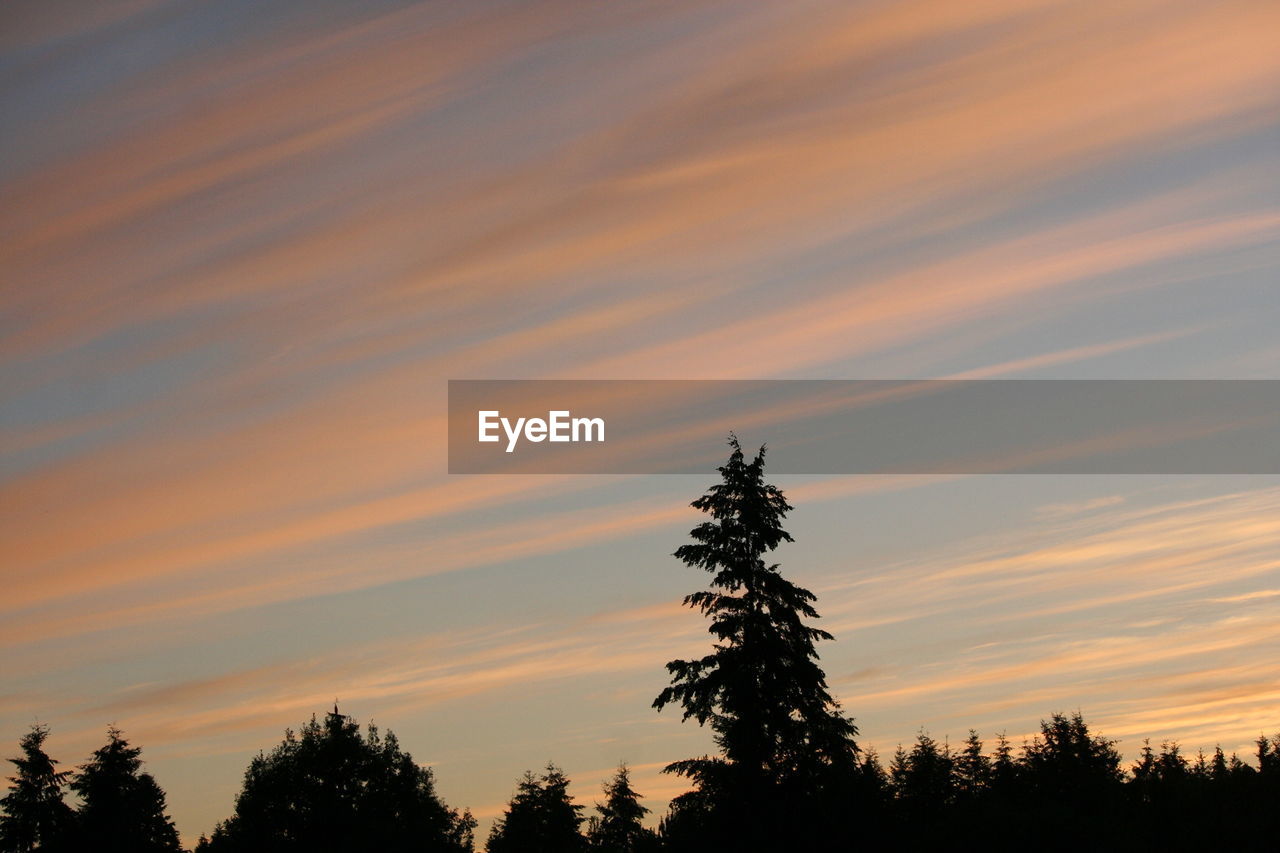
<point x="788" y="773"/>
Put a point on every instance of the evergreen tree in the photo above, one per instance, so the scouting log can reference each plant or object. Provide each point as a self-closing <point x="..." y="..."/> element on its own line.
<point x="618" y="829"/>
<point x="875" y="781"/>
<point x="122" y="810"/>
<point x="1074" y="781"/>
<point x="1218" y="770"/>
<point x="1171" y="765"/>
<point x="1238" y="769"/>
<point x="928" y="781"/>
<point x="328" y="788"/>
<point x="1004" y="770"/>
<point x="925" y="793"/>
<point x="972" y="769"/>
<point x="899" y="768"/>
<point x="1065" y="758"/>
<point x="973" y="798"/>
<point x="541" y="817"/>
<point x="783" y="740"/>
<point x="1267" y="788"/>
<point x="34" y="814"/>
<point x="1228" y="808"/>
<point x="1144" y="773"/>
<point x="1200" y="769"/>
<point x="1268" y="755"/>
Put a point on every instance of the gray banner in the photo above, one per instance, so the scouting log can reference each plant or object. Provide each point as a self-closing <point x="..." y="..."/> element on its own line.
<point x="867" y="426"/>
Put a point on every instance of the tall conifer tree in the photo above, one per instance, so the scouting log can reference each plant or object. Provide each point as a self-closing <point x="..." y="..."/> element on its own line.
<point x="618" y="829"/>
<point x="781" y="734"/>
<point x="541" y="818"/>
<point x="35" y="817"/>
<point x="122" y="809"/>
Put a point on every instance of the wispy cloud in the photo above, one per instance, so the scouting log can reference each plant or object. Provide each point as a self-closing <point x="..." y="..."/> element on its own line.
<point x="241" y="262"/>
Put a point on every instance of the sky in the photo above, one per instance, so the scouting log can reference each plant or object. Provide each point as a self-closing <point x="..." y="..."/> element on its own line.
<point x="245" y="247"/>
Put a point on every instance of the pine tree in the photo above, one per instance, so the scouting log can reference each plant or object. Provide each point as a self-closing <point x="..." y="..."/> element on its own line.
<point x="782" y="736"/>
<point x="1171" y="765"/>
<point x="1218" y="770"/>
<point x="35" y="816"/>
<point x="1065" y="759"/>
<point x="541" y="817"/>
<point x="122" y="810"/>
<point x="1200" y="769"/>
<point x="1004" y="770"/>
<point x="928" y="780"/>
<point x="1266" y="786"/>
<point x="972" y="768"/>
<point x="1074" y="780"/>
<point x="973" y="786"/>
<point x="1144" y="773"/>
<point x="875" y="780"/>
<point x="899" y="768"/>
<point x="1268" y="752"/>
<point x="618" y="829"/>
<point x="925" y="792"/>
<point x="1238" y="767"/>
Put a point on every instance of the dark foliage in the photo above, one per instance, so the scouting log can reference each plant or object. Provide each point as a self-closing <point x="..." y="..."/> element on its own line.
<point x="35" y="816"/>
<point x="787" y="752"/>
<point x="328" y="788"/>
<point x="541" y="817"/>
<point x="122" y="809"/>
<point x="619" y="828"/>
<point x="1065" y="790"/>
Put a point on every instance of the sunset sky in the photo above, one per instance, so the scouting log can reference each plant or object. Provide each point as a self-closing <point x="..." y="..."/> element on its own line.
<point x="245" y="246"/>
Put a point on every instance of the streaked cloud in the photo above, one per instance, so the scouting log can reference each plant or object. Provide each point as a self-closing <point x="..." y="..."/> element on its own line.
<point x="243" y="253"/>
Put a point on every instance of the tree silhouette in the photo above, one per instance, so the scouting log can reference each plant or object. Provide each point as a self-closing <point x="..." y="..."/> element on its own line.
<point x="34" y="813"/>
<point x="541" y="817"/>
<point x="924" y="788"/>
<point x="1144" y="773"/>
<point x="927" y="782"/>
<point x="875" y="787"/>
<point x="1072" y="780"/>
<point x="618" y="829"/>
<point x="782" y="737"/>
<point x="122" y="809"/>
<point x="972" y="769"/>
<point x="1065" y="759"/>
<point x="328" y="788"/>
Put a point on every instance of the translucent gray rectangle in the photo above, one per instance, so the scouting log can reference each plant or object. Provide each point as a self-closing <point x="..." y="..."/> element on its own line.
<point x="869" y="426"/>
